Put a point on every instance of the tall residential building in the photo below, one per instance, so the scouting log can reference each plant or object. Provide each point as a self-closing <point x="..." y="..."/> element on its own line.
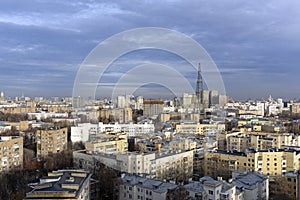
<point x="205" y="98"/>
<point x="187" y="100"/>
<point x="62" y="184"/>
<point x="199" y="86"/>
<point x="139" y="103"/>
<point x="213" y="97"/>
<point x="51" y="141"/>
<point x="153" y="107"/>
<point x="121" y="102"/>
<point x="11" y="153"/>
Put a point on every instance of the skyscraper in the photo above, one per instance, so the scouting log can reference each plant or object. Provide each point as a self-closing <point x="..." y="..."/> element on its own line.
<point x="199" y="86"/>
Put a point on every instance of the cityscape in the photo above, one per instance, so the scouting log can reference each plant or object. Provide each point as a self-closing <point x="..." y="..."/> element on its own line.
<point x="136" y="101"/>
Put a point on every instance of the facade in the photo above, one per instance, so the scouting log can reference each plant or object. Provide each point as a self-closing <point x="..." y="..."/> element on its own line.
<point x="62" y="184"/>
<point x="286" y="186"/>
<point x="51" y="141"/>
<point x="271" y="162"/>
<point x="153" y="107"/>
<point x="260" y="141"/>
<point x="120" y="115"/>
<point x="130" y="129"/>
<point x="108" y="144"/>
<point x="82" y="131"/>
<point x="213" y="97"/>
<point x="183" y="144"/>
<point x="121" y="102"/>
<point x="198" y="128"/>
<point x="11" y="153"/>
<point x="295" y="108"/>
<point x="175" y="166"/>
<point x="205" y="98"/>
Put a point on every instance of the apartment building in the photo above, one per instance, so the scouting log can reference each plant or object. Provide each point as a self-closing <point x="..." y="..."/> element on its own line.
<point x="108" y="144"/>
<point x="200" y="129"/>
<point x="51" y="141"/>
<point x="253" y="185"/>
<point x="153" y="107"/>
<point x="120" y="115"/>
<point x="83" y="131"/>
<point x="243" y="185"/>
<point x="182" y="144"/>
<point x="11" y="153"/>
<point x="176" y="166"/>
<point x="135" y="187"/>
<point x="62" y="184"/>
<point x="287" y="186"/>
<point x="270" y="162"/>
<point x="260" y="141"/>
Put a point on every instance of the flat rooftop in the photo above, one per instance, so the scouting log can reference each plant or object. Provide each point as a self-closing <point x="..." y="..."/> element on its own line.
<point x="64" y="184"/>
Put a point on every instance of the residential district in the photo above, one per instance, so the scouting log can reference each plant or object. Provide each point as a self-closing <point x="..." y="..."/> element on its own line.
<point x="149" y="149"/>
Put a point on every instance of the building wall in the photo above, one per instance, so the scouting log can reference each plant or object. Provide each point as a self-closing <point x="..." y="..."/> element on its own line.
<point x="153" y="107"/>
<point x="198" y="128"/>
<point x="271" y="162"/>
<point x="11" y="153"/>
<point x="113" y="145"/>
<point x="177" y="167"/>
<point x="51" y="141"/>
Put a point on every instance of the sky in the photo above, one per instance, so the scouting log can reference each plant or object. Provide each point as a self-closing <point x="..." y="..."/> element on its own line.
<point x="255" y="44"/>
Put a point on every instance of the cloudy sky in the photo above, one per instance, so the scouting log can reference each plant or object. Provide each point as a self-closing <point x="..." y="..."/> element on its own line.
<point x="255" y="44"/>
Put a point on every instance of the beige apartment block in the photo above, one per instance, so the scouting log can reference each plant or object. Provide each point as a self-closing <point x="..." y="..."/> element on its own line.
<point x="51" y="141"/>
<point x="11" y="153"/>
<point x="198" y="128"/>
<point x="108" y="144"/>
<point x="271" y="162"/>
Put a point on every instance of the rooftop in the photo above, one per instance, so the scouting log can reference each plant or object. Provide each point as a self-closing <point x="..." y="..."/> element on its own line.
<point x="153" y="184"/>
<point x="60" y="184"/>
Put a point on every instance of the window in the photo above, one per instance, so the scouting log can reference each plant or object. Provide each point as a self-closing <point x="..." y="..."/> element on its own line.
<point x="210" y="192"/>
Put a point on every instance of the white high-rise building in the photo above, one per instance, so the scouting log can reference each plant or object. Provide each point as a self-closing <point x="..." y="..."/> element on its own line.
<point x="121" y="102"/>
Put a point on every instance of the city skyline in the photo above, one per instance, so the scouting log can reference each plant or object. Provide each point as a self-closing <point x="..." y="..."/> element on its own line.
<point x="254" y="44"/>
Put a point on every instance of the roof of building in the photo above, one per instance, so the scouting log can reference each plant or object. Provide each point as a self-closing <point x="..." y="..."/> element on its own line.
<point x="194" y="186"/>
<point x="248" y="180"/>
<point x="60" y="183"/>
<point x="152" y="184"/>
